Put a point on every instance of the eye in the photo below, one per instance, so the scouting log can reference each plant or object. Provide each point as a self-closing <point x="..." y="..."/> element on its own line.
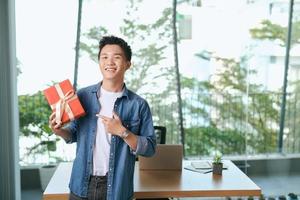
<point x="103" y="57"/>
<point x="117" y="57"/>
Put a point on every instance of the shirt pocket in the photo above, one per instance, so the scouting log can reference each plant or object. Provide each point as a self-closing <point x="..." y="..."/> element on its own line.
<point x="132" y="125"/>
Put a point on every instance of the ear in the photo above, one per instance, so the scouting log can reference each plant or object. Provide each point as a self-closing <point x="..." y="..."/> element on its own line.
<point x="128" y="65"/>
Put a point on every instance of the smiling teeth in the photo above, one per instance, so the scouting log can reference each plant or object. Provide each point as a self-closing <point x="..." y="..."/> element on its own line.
<point x="110" y="69"/>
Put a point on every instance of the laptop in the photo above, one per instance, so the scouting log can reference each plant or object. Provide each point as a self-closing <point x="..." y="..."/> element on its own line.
<point x="166" y="157"/>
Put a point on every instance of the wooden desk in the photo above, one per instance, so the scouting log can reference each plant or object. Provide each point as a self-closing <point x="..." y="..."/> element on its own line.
<point x="58" y="187"/>
<point x="185" y="183"/>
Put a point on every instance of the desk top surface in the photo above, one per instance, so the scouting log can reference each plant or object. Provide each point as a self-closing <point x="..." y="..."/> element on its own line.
<point x="188" y="183"/>
<point x="164" y="183"/>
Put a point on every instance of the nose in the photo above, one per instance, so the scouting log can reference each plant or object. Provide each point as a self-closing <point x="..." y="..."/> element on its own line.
<point x="110" y="61"/>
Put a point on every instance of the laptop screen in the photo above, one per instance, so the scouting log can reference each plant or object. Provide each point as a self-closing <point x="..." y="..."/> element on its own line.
<point x="166" y="157"/>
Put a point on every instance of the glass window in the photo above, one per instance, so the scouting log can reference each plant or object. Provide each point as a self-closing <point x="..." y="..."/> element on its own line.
<point x="291" y="134"/>
<point x="45" y="38"/>
<point x="231" y="58"/>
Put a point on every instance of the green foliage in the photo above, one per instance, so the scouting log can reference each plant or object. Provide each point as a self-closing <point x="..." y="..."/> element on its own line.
<point x="91" y="45"/>
<point x="271" y="31"/>
<point x="225" y="95"/>
<point x="204" y="140"/>
<point x="275" y="32"/>
<point x="34" y="112"/>
<point x="164" y="110"/>
<point x="292" y="120"/>
<point x="148" y="55"/>
<point x="217" y="159"/>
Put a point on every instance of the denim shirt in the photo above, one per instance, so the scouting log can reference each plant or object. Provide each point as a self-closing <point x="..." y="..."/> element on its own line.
<point x="135" y="115"/>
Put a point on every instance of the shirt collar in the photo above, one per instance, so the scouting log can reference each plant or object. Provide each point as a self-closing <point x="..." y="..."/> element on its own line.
<point x="97" y="87"/>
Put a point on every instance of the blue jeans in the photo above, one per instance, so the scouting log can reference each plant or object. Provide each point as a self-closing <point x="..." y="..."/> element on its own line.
<point x="96" y="190"/>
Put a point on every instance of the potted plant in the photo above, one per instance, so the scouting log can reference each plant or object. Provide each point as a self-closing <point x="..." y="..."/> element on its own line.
<point x="217" y="164"/>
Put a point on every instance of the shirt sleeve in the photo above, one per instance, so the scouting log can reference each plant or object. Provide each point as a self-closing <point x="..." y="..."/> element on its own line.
<point x="72" y="128"/>
<point x="146" y="142"/>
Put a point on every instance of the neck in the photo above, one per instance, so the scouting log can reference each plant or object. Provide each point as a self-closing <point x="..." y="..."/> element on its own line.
<point x="112" y="86"/>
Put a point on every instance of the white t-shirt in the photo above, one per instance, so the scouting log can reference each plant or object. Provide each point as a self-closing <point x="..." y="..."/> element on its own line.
<point x="102" y="142"/>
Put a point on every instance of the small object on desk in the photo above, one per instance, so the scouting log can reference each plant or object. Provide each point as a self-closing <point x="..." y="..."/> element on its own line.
<point x="201" y="165"/>
<point x="204" y="165"/>
<point x="217" y="168"/>
<point x="217" y="164"/>
<point x="202" y="171"/>
<point x="208" y="171"/>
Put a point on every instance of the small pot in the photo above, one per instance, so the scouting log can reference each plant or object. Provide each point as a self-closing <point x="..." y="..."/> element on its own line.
<point x="217" y="168"/>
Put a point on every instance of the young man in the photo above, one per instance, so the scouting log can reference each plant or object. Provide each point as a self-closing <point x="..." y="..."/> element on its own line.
<point x="117" y="127"/>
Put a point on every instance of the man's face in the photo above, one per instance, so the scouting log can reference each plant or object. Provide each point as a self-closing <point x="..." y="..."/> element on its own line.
<point x="113" y="63"/>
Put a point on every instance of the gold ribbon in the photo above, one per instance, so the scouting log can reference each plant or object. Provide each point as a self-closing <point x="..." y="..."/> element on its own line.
<point x="62" y="105"/>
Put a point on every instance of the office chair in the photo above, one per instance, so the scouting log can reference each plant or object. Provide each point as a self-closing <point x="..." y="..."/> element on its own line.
<point x="160" y="132"/>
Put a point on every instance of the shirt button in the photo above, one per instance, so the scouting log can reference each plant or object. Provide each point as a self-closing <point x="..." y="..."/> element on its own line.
<point x="109" y="185"/>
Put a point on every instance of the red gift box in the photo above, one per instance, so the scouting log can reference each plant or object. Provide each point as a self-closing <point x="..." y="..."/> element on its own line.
<point x="64" y="101"/>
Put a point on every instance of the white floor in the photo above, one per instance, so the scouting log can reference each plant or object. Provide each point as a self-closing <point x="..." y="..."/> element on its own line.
<point x="280" y="184"/>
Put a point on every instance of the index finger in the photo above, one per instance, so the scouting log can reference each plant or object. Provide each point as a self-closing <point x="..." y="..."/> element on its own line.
<point x="104" y="118"/>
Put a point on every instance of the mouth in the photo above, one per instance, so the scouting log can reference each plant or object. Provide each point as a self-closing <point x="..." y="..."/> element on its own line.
<point x="110" y="69"/>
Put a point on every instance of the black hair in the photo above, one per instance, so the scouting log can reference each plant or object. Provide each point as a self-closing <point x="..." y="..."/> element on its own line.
<point x="118" y="41"/>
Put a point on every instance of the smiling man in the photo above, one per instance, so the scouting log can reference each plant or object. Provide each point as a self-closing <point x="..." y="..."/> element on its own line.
<point x="117" y="127"/>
